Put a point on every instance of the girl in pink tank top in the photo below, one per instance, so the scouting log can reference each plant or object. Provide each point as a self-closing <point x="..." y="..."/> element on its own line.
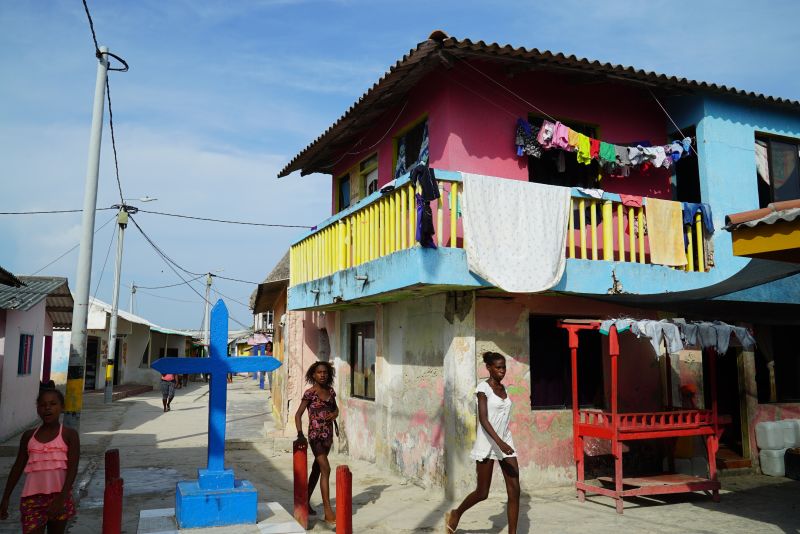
<point x="48" y="455"/>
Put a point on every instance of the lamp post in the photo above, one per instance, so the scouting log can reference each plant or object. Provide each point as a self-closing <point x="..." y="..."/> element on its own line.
<point x="122" y="223"/>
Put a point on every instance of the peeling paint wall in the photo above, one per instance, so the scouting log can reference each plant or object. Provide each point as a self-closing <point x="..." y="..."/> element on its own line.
<point x="421" y="423"/>
<point x="543" y="438"/>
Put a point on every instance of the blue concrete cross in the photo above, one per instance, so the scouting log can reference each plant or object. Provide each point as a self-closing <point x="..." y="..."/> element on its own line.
<point x="214" y="499"/>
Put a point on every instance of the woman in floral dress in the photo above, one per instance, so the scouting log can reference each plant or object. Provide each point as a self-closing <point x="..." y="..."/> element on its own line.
<point x="320" y="401"/>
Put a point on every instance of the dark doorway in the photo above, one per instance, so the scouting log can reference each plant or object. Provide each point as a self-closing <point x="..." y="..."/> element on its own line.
<point x="90" y="373"/>
<point x="729" y="396"/>
<point x="117" y="360"/>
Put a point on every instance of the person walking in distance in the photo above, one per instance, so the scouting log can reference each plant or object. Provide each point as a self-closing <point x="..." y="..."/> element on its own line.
<point x="320" y="400"/>
<point x="493" y="442"/>
<point x="168" y="382"/>
<point x="48" y="455"/>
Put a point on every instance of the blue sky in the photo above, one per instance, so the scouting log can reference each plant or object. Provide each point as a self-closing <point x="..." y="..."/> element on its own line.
<point x="222" y="93"/>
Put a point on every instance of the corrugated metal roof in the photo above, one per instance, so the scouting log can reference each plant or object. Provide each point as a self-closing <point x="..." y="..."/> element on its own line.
<point x="392" y="87"/>
<point x="8" y="279"/>
<point x="279" y="275"/>
<point x="36" y="289"/>
<point x="785" y="211"/>
<point x="774" y="217"/>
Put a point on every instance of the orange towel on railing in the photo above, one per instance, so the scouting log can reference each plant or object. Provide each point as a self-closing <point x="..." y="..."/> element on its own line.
<point x="665" y="232"/>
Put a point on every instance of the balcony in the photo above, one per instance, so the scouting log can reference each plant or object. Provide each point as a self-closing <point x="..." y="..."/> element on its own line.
<point x="369" y="249"/>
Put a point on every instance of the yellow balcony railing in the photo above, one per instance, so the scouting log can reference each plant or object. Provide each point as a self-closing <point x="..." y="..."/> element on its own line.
<point x="606" y="230"/>
<point x="377" y="226"/>
<point x="380" y="225"/>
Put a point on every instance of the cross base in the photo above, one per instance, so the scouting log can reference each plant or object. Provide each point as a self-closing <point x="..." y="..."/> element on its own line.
<point x="197" y="505"/>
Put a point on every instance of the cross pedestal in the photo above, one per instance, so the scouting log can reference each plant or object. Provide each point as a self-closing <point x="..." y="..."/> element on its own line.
<point x="216" y="498"/>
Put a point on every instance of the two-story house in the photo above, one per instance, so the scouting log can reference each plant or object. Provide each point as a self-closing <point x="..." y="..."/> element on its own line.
<point x="553" y="200"/>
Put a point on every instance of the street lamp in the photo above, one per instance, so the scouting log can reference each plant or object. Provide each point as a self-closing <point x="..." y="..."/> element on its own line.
<point x="122" y="223"/>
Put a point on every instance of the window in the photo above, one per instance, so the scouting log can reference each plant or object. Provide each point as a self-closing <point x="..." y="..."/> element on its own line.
<point x="25" y="360"/>
<point x="548" y="170"/>
<point x="777" y="169"/>
<point x="368" y="173"/>
<point x="411" y="148"/>
<point x="362" y="360"/>
<point x="776" y="344"/>
<point x="551" y="370"/>
<point x="343" y="200"/>
<point x="687" y="174"/>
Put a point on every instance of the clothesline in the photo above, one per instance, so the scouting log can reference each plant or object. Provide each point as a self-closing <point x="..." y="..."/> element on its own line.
<point x="679" y="333"/>
<point x="533" y="139"/>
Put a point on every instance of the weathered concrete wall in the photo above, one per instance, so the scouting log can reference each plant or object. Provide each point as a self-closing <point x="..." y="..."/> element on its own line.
<point x="19" y="392"/>
<point x="135" y="367"/>
<point x="422" y="421"/>
<point x="544" y="437"/>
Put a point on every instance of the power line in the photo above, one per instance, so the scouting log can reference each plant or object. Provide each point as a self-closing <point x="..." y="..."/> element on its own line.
<point x="169" y="263"/>
<point x="91" y="27"/>
<point x="170" y="285"/>
<point x="73" y="248"/>
<point x="224" y="220"/>
<point x="230" y="298"/>
<point x="113" y="139"/>
<point x="234" y="279"/>
<point x="48" y="212"/>
<point x="167" y="298"/>
<point x="105" y="261"/>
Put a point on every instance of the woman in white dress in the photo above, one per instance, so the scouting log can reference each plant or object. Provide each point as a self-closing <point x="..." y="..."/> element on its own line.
<point x="493" y="442"/>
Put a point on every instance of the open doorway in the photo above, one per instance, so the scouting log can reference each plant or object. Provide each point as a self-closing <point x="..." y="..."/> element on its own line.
<point x="734" y="449"/>
<point x="90" y="373"/>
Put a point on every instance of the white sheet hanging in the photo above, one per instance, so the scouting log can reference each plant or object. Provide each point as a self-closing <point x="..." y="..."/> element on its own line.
<point x="515" y="232"/>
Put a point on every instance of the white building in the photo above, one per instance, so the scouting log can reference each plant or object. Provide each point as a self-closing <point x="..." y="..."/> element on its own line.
<point x="31" y="308"/>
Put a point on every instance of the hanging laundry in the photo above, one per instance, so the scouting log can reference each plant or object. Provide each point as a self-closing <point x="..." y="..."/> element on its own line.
<point x="506" y="245"/>
<point x="427" y="179"/>
<point x="594" y="193"/>
<point x="546" y="132"/>
<point x="623" y="157"/>
<point x="658" y="330"/>
<point x="676" y="150"/>
<point x="691" y="208"/>
<point x="425" y="230"/>
<point x="584" y="149"/>
<point x="622" y="324"/>
<point x="665" y="229"/>
<point x="572" y="139"/>
<point x="632" y="201"/>
<point x="607" y="152"/>
<point x="561" y="136"/>
<point x="594" y="149"/>
<point x="636" y="155"/>
<point x="526" y="139"/>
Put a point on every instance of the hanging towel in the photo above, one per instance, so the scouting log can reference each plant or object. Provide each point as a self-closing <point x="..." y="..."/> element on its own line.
<point x="632" y="201"/>
<point x="595" y="148"/>
<point x="594" y="193"/>
<point x="572" y="139"/>
<point x="665" y="231"/>
<point x="516" y="232"/>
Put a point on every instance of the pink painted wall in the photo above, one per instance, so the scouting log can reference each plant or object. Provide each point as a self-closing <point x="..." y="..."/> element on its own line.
<point x="471" y="122"/>
<point x="770" y="412"/>
<point x="544" y="437"/>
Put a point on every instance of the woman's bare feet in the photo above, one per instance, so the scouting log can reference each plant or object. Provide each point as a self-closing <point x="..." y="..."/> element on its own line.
<point x="330" y="517"/>
<point x="311" y="511"/>
<point x="451" y="521"/>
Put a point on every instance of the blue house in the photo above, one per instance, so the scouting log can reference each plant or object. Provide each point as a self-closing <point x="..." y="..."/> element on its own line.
<point x="527" y="224"/>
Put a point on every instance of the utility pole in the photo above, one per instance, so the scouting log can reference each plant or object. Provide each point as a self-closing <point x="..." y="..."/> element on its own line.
<point x="207" y="326"/>
<point x="122" y="223"/>
<point x="80" y="311"/>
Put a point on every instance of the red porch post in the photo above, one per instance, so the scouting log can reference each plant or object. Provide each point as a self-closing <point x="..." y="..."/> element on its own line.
<point x="613" y="351"/>
<point x="712" y="441"/>
<point x="577" y="439"/>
